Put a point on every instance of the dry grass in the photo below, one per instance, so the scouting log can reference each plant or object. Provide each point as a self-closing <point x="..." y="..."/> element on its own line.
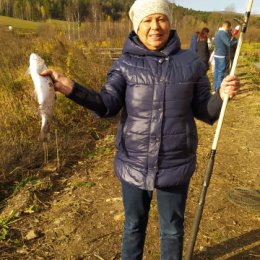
<point x="20" y="122"/>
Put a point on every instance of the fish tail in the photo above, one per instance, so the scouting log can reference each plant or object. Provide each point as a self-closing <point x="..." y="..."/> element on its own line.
<point x="45" y="130"/>
<point x="44" y="136"/>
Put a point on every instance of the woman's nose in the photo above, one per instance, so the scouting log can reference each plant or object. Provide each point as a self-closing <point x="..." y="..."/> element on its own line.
<point x="154" y="24"/>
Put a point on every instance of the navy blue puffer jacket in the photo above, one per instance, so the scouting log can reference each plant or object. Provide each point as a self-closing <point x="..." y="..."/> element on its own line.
<point x="158" y="93"/>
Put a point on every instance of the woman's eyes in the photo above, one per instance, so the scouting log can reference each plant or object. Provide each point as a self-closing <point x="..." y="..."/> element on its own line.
<point x="157" y="20"/>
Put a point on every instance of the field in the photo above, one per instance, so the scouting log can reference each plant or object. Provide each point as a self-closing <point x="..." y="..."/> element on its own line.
<point x="75" y="211"/>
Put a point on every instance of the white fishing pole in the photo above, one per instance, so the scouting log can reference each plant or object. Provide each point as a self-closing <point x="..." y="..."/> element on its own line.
<point x="210" y="165"/>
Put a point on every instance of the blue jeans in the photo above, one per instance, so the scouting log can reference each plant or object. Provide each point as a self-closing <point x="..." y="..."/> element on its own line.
<point x="171" y="207"/>
<point x="221" y="66"/>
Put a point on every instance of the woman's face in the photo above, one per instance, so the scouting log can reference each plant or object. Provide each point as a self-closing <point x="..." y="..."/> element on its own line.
<point x="154" y="31"/>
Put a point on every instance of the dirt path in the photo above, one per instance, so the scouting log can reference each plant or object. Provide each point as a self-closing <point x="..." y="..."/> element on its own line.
<point x="77" y="213"/>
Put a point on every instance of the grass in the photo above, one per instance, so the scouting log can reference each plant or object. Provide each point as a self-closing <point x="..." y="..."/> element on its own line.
<point x="85" y="184"/>
<point x="20" y="122"/>
<point x="5" y="224"/>
<point x="18" y="23"/>
<point x="251" y="46"/>
<point x="29" y="25"/>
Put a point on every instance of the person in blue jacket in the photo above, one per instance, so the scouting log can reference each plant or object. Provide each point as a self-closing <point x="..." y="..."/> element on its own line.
<point x="223" y="47"/>
<point x="194" y="42"/>
<point x="160" y="89"/>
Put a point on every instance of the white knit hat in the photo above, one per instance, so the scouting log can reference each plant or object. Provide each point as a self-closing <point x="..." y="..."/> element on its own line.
<point x="142" y="8"/>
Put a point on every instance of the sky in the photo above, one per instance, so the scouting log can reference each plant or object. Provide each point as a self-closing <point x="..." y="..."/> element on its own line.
<point x="219" y="5"/>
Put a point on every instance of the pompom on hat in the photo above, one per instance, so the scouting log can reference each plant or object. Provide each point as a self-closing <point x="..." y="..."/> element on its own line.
<point x="142" y="8"/>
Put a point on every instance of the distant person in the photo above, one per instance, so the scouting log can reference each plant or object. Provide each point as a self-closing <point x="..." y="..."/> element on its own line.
<point x="223" y="43"/>
<point x="194" y="42"/>
<point x="211" y="58"/>
<point x="159" y="89"/>
<point x="199" y="45"/>
<point x="210" y="44"/>
<point x="212" y="62"/>
<point x="203" y="47"/>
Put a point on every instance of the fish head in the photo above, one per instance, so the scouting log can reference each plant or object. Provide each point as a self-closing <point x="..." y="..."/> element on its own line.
<point x="36" y="62"/>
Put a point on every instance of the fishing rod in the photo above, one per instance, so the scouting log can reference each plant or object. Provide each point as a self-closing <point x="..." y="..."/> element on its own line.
<point x="210" y="165"/>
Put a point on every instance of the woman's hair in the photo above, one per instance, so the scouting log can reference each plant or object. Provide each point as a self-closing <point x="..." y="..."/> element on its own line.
<point x="226" y="23"/>
<point x="203" y="35"/>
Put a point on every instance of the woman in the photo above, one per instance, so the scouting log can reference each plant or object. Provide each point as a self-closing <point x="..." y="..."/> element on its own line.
<point x="203" y="48"/>
<point x="159" y="89"/>
<point x="199" y="45"/>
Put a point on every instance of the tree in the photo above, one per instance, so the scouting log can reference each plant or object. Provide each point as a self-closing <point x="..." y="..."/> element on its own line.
<point x="230" y="8"/>
<point x="74" y="13"/>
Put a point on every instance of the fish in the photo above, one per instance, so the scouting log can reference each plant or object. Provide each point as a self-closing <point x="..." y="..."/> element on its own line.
<point x="45" y="92"/>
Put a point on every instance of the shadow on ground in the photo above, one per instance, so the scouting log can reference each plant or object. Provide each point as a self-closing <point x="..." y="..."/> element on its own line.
<point x="244" y="247"/>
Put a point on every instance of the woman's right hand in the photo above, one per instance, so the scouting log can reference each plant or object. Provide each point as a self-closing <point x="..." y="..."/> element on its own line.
<point x="61" y="83"/>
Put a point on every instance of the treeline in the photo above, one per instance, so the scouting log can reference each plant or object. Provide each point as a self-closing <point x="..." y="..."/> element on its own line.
<point x="79" y="10"/>
<point x="87" y="10"/>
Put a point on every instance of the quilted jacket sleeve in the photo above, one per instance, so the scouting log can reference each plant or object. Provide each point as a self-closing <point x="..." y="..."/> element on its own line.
<point x="206" y="107"/>
<point x="110" y="99"/>
<point x="88" y="98"/>
<point x="113" y="92"/>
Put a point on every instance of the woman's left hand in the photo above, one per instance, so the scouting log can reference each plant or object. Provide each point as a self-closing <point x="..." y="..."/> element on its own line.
<point x="230" y="86"/>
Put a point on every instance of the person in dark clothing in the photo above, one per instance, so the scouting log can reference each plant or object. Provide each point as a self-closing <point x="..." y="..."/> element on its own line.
<point x="194" y="42"/>
<point x="160" y="89"/>
<point x="199" y="45"/>
<point x="203" y="48"/>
